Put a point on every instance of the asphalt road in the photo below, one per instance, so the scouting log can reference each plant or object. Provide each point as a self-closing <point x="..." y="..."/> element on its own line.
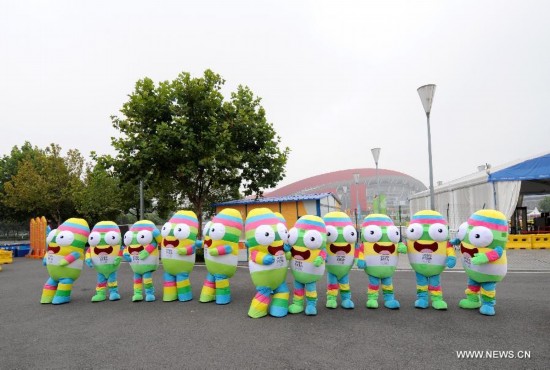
<point x="126" y="335"/>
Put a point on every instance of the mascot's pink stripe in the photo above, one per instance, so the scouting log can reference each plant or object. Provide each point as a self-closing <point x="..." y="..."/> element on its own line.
<point x="263" y="299"/>
<point x="320" y="228"/>
<point x="169" y="283"/>
<point x="141" y="228"/>
<point x="74" y="230"/>
<point x="255" y="224"/>
<point x="377" y="223"/>
<point x="337" y="223"/>
<point x="488" y="225"/>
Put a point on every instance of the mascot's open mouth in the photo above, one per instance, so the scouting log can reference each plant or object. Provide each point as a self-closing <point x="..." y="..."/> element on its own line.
<point x="98" y="251"/>
<point x="425" y="248"/>
<point x="275" y="250"/>
<point x="469" y="251"/>
<point x="171" y="244"/>
<point x="383" y="249"/>
<point x="345" y="249"/>
<point x="300" y="255"/>
<point x="208" y="242"/>
<point x="54" y="250"/>
<point x="136" y="249"/>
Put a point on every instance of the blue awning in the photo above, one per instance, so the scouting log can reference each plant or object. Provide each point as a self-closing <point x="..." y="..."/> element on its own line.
<point x="531" y="169"/>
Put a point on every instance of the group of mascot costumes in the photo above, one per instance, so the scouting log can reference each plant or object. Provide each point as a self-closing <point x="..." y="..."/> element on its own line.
<point x="309" y="248"/>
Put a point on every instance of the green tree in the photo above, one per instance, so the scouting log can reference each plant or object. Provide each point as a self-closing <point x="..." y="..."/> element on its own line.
<point x="544" y="204"/>
<point x="191" y="147"/>
<point x="45" y="184"/>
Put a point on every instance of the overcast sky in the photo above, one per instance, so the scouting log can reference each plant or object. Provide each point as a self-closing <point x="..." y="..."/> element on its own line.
<point x="336" y="78"/>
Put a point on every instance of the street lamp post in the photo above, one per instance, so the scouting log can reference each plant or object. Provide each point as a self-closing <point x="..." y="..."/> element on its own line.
<point x="426" y="93"/>
<point x="376" y="154"/>
<point x="356" y="179"/>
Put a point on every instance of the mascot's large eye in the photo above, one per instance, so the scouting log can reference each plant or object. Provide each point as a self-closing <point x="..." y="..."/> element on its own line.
<point x="313" y="239"/>
<point x="414" y="231"/>
<point x="65" y="238"/>
<point x="217" y="231"/>
<point x="206" y="229"/>
<point x="166" y="229"/>
<point x="438" y="232"/>
<point x="265" y="235"/>
<point x="51" y="235"/>
<point x="372" y="233"/>
<point x="283" y="232"/>
<point x="393" y="234"/>
<point x="350" y="234"/>
<point x="292" y="236"/>
<point x="462" y="229"/>
<point x="144" y="237"/>
<point x="480" y="236"/>
<point x="128" y="237"/>
<point x="182" y="231"/>
<point x="332" y="234"/>
<point x="112" y="238"/>
<point x="94" y="238"/>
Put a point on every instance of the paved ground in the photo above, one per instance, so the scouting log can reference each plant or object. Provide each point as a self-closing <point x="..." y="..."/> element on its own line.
<point x="143" y="335"/>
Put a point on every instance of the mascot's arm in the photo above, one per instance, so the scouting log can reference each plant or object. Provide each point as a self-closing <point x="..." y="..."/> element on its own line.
<point x="220" y="250"/>
<point x="70" y="258"/>
<point x="491" y="256"/>
<point x="88" y="258"/>
<point x="360" y="256"/>
<point x="186" y="251"/>
<point x="401" y="248"/>
<point x="451" y="255"/>
<point x="261" y="258"/>
<point x="147" y="251"/>
<point x="125" y="254"/>
<point x="322" y="257"/>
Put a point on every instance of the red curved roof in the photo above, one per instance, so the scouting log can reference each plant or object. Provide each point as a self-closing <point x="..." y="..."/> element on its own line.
<point x="330" y="177"/>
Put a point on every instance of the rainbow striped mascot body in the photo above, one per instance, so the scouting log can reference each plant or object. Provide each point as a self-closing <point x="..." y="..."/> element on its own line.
<point x="308" y="240"/>
<point x="64" y="259"/>
<point x="379" y="257"/>
<point x="221" y="248"/>
<point x="482" y="243"/>
<point x="179" y="236"/>
<point x="141" y="251"/>
<point x="268" y="265"/>
<point x="429" y="252"/>
<point x="105" y="255"/>
<point x="341" y="239"/>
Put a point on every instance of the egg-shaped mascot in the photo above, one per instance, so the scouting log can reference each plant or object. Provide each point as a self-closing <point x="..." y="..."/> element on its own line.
<point x="308" y="239"/>
<point x="429" y="253"/>
<point x="341" y="239"/>
<point x="105" y="255"/>
<point x="64" y="259"/>
<point x="482" y="241"/>
<point x="267" y="263"/>
<point x="178" y="245"/>
<point x="142" y="252"/>
<point x="221" y="247"/>
<point x="379" y="257"/>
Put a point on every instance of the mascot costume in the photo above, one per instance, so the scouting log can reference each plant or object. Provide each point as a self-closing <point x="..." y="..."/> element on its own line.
<point x="379" y="257"/>
<point x="341" y="239"/>
<point x="482" y="243"/>
<point x="267" y="263"/>
<point x="308" y="240"/>
<point x="105" y="255"/>
<point x="429" y="252"/>
<point x="141" y="251"/>
<point x="221" y="248"/>
<point x="179" y="236"/>
<point x="64" y="259"/>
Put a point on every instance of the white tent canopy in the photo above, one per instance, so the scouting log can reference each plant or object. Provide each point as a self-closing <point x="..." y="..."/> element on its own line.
<point x="458" y="199"/>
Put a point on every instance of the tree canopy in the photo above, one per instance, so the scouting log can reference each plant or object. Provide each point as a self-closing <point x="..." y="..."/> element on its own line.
<point x="192" y="147"/>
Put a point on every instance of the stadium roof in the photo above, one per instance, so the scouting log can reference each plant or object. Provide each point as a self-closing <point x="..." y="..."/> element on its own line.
<point x="289" y="198"/>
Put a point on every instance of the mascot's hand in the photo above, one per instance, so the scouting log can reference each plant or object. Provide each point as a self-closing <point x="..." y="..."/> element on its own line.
<point x="127" y="257"/>
<point x="268" y="259"/>
<point x="63" y="262"/>
<point x="361" y="264"/>
<point x="401" y="248"/>
<point x="451" y="262"/>
<point x="143" y="255"/>
<point x="454" y="241"/>
<point x="182" y="251"/>
<point x="480" y="259"/>
<point x="213" y="251"/>
<point x="288" y="255"/>
<point x="198" y="243"/>
<point x="318" y="261"/>
<point x="117" y="261"/>
<point x="44" y="262"/>
<point x="89" y="262"/>
<point x="287" y="247"/>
